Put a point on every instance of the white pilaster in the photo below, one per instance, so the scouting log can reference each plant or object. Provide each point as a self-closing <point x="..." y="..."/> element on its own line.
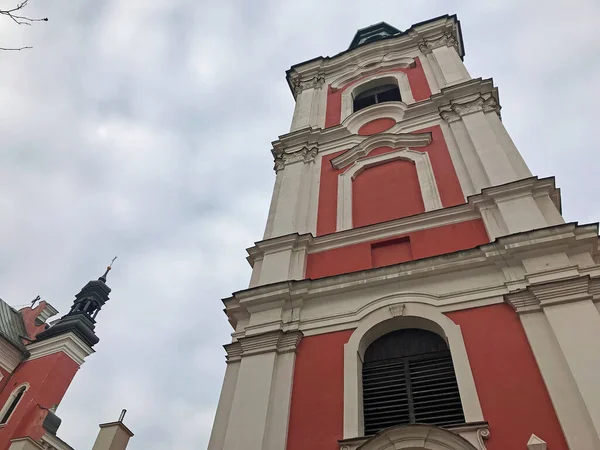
<point x="564" y="341"/>
<point x="219" y="430"/>
<point x="566" y="399"/>
<point x="451" y="66"/>
<point x="259" y="412"/>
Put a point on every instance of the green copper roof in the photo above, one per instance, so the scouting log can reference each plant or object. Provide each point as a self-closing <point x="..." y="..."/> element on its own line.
<point x="12" y="326"/>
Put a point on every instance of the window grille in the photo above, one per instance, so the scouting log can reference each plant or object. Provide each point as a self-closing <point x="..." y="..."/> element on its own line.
<point x="379" y="94"/>
<point x="408" y="377"/>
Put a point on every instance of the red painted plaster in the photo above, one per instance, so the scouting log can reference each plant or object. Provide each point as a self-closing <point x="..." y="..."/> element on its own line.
<point x="416" y="79"/>
<point x="423" y="244"/>
<point x="391" y="252"/>
<point x="443" y="170"/>
<point x="376" y="126"/>
<point x="386" y="192"/>
<point x="511" y="390"/>
<point x="317" y="408"/>
<point x="48" y="378"/>
<point x="29" y="315"/>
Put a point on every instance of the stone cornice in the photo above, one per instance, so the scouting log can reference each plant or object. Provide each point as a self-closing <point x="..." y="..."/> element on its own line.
<point x="381" y="140"/>
<point x="482" y="102"/>
<point x="430" y="219"/>
<point x="445" y="40"/>
<point x="67" y="343"/>
<point x="274" y="341"/>
<point x="282" y="158"/>
<point x="512" y="248"/>
<point x="538" y="296"/>
<point x="444" y="30"/>
<point x="10" y="356"/>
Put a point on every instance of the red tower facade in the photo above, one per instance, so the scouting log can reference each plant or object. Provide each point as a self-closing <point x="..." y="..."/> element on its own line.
<point x="416" y="286"/>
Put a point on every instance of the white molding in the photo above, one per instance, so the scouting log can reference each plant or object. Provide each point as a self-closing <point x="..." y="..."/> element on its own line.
<point x="535" y="443"/>
<point x="373" y="66"/>
<point x="382" y="320"/>
<point x="10" y="356"/>
<point x="380" y="140"/>
<point x="67" y="343"/>
<point x="391" y="110"/>
<point x="53" y="442"/>
<point x="429" y="190"/>
<point x="377" y="79"/>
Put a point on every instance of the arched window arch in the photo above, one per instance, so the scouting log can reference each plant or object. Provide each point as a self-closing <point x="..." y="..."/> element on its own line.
<point x="408" y="377"/>
<point x="12" y="403"/>
<point x="379" y="90"/>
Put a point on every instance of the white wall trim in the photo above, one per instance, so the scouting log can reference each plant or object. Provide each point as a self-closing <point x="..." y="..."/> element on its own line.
<point x="380" y="140"/>
<point x="377" y="79"/>
<point x="392" y="110"/>
<point x="10" y="356"/>
<point x="389" y="316"/>
<point x="429" y="190"/>
<point x="68" y="343"/>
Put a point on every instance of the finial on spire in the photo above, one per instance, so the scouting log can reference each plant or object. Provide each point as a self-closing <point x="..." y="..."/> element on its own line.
<point x="108" y="268"/>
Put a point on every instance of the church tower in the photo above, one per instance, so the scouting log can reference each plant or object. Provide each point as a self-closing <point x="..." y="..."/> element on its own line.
<point x="416" y="286"/>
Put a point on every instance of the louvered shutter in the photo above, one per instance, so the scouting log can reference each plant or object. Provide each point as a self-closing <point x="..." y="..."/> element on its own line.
<point x="405" y="383"/>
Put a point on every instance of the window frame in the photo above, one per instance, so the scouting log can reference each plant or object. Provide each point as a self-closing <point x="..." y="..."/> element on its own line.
<point x="385" y="315"/>
<point x="17" y="394"/>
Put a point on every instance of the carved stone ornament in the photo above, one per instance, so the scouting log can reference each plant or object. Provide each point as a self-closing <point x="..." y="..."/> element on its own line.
<point x="447" y="39"/>
<point x="282" y="158"/>
<point x="397" y="310"/>
<point x="454" y="111"/>
<point x="298" y="84"/>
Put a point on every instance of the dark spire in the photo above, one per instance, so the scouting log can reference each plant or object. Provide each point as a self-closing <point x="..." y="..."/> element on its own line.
<point x="81" y="319"/>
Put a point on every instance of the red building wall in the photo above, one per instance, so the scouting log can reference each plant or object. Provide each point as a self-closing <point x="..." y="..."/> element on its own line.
<point x="421" y="244"/>
<point x="443" y="170"/>
<point x="512" y="393"/>
<point x="48" y="378"/>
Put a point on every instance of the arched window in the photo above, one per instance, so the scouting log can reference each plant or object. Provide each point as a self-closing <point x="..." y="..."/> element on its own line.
<point x="408" y="377"/>
<point x="377" y="94"/>
<point x="11" y="404"/>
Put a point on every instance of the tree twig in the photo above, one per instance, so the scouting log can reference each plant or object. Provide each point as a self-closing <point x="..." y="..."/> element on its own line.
<point x="20" y="20"/>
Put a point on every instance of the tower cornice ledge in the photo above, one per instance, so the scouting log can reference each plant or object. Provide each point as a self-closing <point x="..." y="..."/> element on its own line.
<point x="430" y="219"/>
<point x="419" y="38"/>
<point x="505" y="252"/>
<point x="304" y="144"/>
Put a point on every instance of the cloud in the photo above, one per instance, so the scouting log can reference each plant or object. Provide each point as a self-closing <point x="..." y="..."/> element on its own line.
<point x="142" y="128"/>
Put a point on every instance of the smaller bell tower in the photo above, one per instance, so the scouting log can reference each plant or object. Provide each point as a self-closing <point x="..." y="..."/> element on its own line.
<point x="42" y="360"/>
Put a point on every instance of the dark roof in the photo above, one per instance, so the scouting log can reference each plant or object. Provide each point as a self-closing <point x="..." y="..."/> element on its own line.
<point x="398" y="33"/>
<point x="12" y="326"/>
<point x="373" y="33"/>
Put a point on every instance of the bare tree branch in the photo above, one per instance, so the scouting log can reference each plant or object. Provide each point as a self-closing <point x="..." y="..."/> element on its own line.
<point x="20" y="20"/>
<point x="14" y="49"/>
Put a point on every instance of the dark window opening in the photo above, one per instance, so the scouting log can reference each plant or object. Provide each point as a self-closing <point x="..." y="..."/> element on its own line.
<point x="408" y="377"/>
<point x="379" y="94"/>
<point x="12" y="406"/>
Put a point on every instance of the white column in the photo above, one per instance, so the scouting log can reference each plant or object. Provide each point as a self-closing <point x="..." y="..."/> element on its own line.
<point x="491" y="154"/>
<point x="291" y="204"/>
<point x="577" y="329"/>
<point x="217" y="436"/>
<point x="260" y="408"/>
<point x="566" y="398"/>
<point x="521" y="213"/>
<point x="451" y="66"/>
<point x="301" y="118"/>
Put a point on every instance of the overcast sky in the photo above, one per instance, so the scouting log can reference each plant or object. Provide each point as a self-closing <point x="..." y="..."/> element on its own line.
<point x="142" y="128"/>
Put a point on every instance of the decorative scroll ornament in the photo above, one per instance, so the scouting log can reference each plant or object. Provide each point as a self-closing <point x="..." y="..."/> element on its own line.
<point x="482" y="434"/>
<point x="454" y="111"/>
<point x="315" y="82"/>
<point x="447" y="39"/>
<point x="282" y="158"/>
